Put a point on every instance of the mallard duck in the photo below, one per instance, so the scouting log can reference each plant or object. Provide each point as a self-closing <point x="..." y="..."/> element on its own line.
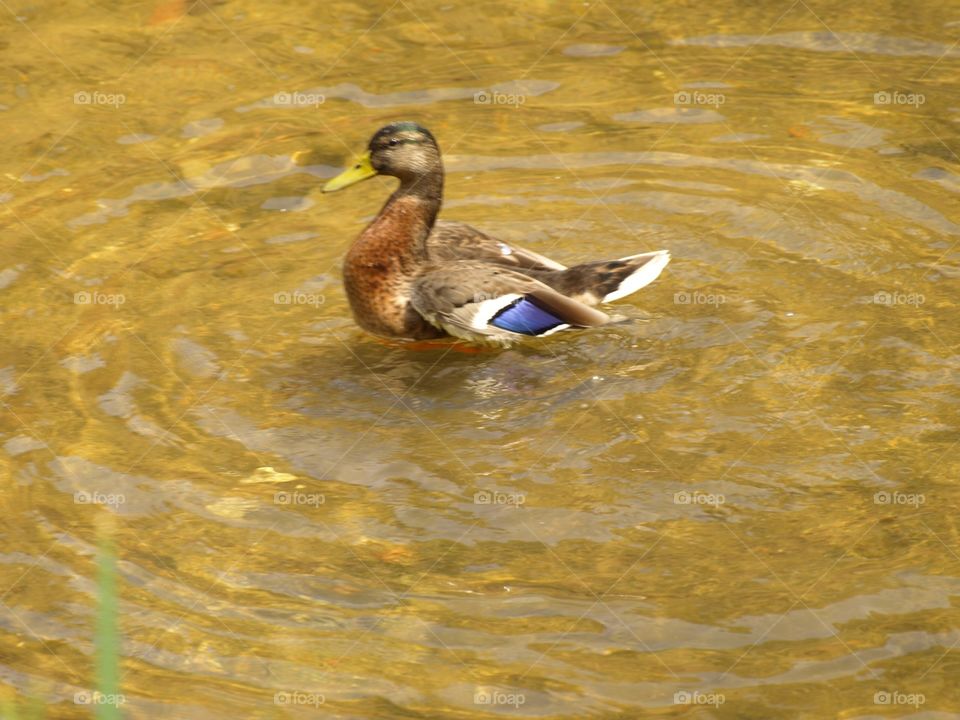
<point x="409" y="276"/>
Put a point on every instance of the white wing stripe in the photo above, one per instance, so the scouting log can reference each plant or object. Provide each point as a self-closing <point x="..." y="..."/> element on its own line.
<point x="486" y="309"/>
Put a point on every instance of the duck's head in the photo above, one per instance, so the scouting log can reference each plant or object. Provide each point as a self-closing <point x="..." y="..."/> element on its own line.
<point x="402" y="150"/>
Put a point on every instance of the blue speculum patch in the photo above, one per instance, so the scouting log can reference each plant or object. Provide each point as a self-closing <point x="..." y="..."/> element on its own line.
<point x="525" y="317"/>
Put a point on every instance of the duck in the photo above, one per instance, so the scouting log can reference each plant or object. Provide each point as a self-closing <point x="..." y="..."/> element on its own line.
<point x="410" y="276"/>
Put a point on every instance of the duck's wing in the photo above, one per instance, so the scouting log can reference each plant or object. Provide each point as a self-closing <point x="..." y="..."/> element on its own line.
<point x="450" y="241"/>
<point x="480" y="301"/>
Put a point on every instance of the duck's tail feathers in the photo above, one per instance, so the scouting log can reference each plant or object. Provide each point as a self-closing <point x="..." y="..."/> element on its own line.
<point x="641" y="270"/>
<point x="608" y="280"/>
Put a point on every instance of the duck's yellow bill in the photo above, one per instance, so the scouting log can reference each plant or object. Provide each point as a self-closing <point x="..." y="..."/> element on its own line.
<point x="361" y="169"/>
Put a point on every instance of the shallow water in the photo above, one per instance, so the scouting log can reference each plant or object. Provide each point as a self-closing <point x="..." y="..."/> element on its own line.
<point x="742" y="503"/>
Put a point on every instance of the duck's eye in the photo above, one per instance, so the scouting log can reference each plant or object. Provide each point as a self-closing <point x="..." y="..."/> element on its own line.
<point x="393" y="142"/>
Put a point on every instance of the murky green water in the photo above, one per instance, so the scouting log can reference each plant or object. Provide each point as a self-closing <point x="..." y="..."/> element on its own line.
<point x="740" y="505"/>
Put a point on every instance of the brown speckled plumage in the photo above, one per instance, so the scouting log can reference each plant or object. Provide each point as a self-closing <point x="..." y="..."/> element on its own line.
<point x="380" y="266"/>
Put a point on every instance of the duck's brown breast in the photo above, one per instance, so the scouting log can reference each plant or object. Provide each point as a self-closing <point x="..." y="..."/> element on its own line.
<point x="379" y="269"/>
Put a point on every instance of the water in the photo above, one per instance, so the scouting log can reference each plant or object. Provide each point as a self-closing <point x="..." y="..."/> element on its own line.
<point x="740" y="504"/>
